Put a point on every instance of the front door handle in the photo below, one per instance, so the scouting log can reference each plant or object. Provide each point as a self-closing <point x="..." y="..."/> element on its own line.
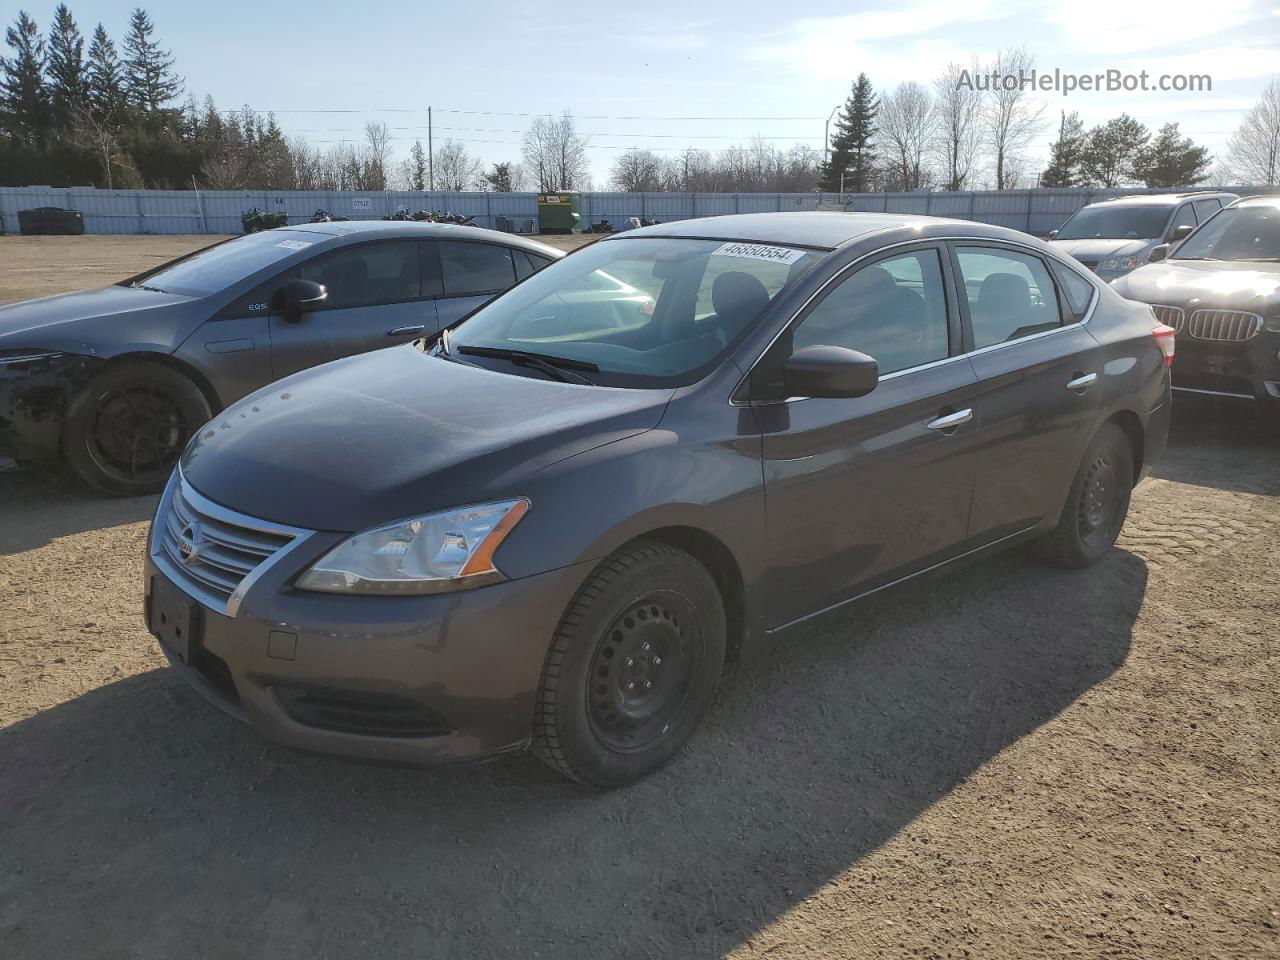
<point x="1082" y="382"/>
<point x="951" y="420"/>
<point x="408" y="331"/>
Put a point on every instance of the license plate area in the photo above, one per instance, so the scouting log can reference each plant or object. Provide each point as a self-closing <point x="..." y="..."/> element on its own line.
<point x="174" y="619"/>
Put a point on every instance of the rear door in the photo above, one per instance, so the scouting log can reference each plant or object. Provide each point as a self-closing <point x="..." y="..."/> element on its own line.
<point x="864" y="491"/>
<point x="1038" y="370"/>
<point x="471" y="272"/>
<point x="376" y="299"/>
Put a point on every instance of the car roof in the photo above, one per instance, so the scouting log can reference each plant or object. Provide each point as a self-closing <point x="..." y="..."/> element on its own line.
<point x="1167" y="199"/>
<point x="1264" y="200"/>
<point x="379" y="229"/>
<point x="823" y="229"/>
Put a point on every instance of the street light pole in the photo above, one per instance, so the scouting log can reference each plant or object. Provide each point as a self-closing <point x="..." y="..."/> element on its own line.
<point x="826" y="135"/>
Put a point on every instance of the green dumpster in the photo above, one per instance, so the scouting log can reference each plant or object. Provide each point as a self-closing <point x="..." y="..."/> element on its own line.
<point x="558" y="212"/>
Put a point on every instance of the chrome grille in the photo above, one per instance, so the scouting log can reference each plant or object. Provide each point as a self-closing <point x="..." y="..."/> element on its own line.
<point x="212" y="552"/>
<point x="1232" y="325"/>
<point x="1169" y="316"/>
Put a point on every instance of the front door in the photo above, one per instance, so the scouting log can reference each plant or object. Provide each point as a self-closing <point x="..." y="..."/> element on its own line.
<point x="375" y="299"/>
<point x="860" y="492"/>
<point x="472" y="273"/>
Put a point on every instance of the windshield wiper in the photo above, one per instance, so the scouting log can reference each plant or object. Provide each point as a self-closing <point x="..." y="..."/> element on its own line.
<point x="558" y="368"/>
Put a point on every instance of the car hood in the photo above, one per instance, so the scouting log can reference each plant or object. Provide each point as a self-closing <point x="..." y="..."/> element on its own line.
<point x="1221" y="284"/>
<point x="396" y="433"/>
<point x="98" y="322"/>
<point x="1100" y="248"/>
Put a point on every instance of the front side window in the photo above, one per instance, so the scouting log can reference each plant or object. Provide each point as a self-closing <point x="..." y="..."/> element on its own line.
<point x="1183" y="217"/>
<point x="1011" y="295"/>
<point x="475" y="268"/>
<point x="1206" y="208"/>
<point x="635" y="309"/>
<point x="218" y="267"/>
<point x="894" y="310"/>
<point x="1125" y="221"/>
<point x="1236" y="233"/>
<point x="367" y="274"/>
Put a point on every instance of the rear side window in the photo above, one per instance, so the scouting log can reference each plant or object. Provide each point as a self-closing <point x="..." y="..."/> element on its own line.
<point x="1011" y="295"/>
<point x="471" y="268"/>
<point x="367" y="274"/>
<point x="1206" y="208"/>
<point x="527" y="263"/>
<point x="1079" y="291"/>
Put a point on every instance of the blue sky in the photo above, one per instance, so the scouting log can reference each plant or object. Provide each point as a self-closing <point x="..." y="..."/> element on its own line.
<point x="663" y="60"/>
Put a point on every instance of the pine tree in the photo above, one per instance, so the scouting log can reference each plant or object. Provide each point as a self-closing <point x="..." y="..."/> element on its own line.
<point x="150" y="82"/>
<point x="1111" y="151"/>
<point x="417" y="167"/>
<point x="68" y="83"/>
<point x="24" y="110"/>
<point x="105" y="78"/>
<point x="852" y="161"/>
<point x="1065" y="153"/>
<point x="1172" y="160"/>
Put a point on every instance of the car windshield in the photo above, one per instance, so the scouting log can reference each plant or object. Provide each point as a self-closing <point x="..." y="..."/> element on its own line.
<point x="635" y="312"/>
<point x="1236" y="233"/>
<point x="219" y="266"/>
<point x="1118" y="222"/>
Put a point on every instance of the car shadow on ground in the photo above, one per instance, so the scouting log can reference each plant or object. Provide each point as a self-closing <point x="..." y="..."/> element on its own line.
<point x="41" y="504"/>
<point x="1225" y="444"/>
<point x="136" y="820"/>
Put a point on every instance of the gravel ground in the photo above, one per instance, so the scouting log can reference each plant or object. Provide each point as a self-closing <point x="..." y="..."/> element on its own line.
<point x="1010" y="761"/>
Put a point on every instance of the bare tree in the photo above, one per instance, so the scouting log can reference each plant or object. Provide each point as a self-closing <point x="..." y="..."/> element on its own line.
<point x="377" y="139"/>
<point x="957" y="125"/>
<point x="1011" y="117"/>
<point x="555" y="154"/>
<point x="97" y="135"/>
<point x="637" y="171"/>
<point x="906" y="127"/>
<point x="456" y="169"/>
<point x="1253" y="151"/>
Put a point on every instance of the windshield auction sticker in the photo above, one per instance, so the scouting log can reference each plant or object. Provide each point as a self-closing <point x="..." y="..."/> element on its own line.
<point x="758" y="251"/>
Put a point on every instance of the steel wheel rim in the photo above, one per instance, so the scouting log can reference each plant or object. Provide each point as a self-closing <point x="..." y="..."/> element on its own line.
<point x="642" y="671"/>
<point x="1099" y="499"/>
<point x="137" y="433"/>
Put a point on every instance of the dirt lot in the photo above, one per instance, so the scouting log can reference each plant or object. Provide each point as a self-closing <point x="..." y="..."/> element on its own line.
<point x="1009" y="762"/>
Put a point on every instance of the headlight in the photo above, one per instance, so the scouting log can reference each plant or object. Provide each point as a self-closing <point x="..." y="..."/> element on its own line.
<point x="450" y="550"/>
<point x="1122" y="264"/>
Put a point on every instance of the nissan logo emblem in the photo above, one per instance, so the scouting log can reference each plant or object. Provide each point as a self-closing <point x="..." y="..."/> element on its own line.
<point x="190" y="540"/>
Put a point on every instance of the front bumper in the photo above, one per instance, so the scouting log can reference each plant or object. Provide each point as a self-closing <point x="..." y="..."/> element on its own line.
<point x="34" y="397"/>
<point x="1248" y="369"/>
<point x="426" y="679"/>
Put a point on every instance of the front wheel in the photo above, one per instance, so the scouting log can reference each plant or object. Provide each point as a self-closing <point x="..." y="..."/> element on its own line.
<point x="127" y="428"/>
<point x="633" y="667"/>
<point x="1097" y="504"/>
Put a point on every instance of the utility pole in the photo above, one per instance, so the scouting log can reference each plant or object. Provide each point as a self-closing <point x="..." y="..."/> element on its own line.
<point x="826" y="135"/>
<point x="431" y="157"/>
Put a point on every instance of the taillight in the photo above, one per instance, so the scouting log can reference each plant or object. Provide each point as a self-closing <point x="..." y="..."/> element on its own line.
<point x="1165" y="341"/>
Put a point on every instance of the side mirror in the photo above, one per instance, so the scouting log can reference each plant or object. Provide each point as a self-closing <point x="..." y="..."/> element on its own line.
<point x="824" y="371"/>
<point x="1052" y="234"/>
<point x="296" y="297"/>
<point x="1158" y="253"/>
<point x="1181" y="232"/>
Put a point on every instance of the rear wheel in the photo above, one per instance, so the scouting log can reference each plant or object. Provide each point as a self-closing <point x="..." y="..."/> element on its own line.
<point x="633" y="667"/>
<point x="127" y="428"/>
<point x="1097" y="505"/>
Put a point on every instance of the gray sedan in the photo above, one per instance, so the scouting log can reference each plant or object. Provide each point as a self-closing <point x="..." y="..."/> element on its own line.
<point x="115" y="380"/>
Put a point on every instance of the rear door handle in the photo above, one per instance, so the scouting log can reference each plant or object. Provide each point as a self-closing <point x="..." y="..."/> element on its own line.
<point x="407" y="331"/>
<point x="951" y="420"/>
<point x="1082" y="382"/>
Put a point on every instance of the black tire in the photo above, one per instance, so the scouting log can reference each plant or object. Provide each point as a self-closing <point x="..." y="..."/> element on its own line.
<point x="126" y="429"/>
<point x="1097" y="505"/>
<point x="650" y="617"/>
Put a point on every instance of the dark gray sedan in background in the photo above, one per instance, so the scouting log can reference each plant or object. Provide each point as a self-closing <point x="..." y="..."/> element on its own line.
<point x="116" y="380"/>
<point x="551" y="528"/>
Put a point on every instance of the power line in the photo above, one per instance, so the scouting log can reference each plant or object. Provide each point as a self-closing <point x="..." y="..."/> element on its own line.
<point x="501" y="113"/>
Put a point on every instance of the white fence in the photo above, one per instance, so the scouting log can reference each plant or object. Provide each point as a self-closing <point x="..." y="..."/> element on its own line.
<point x="219" y="212"/>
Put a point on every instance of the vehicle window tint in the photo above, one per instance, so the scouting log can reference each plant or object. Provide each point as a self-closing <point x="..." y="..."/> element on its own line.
<point x="1080" y="292"/>
<point x="432" y="281"/>
<point x="367" y="274"/>
<point x="894" y="310"/>
<point x="1184" y="216"/>
<point x="1010" y="295"/>
<point x="475" y="268"/>
<point x="527" y="263"/>
<point x="1206" y="208"/>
